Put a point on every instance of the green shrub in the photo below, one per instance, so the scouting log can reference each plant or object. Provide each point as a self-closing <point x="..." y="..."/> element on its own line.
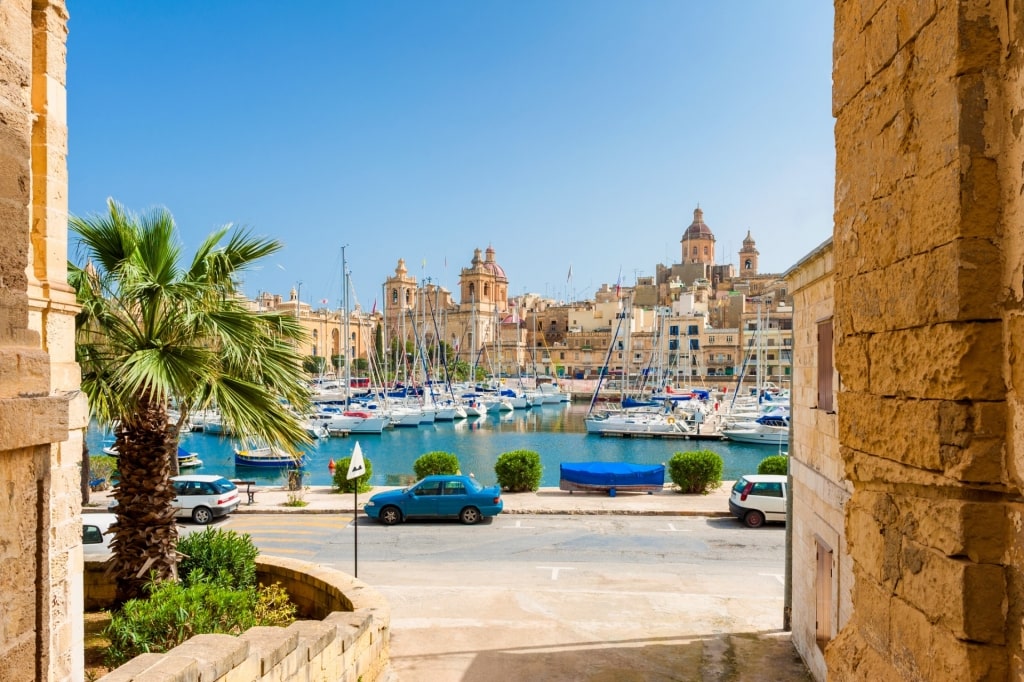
<point x="435" y="463"/>
<point x="775" y="464"/>
<point x="222" y="557"/>
<point x="699" y="471"/>
<point x="518" y="470"/>
<point x="361" y="484"/>
<point x="173" y="612"/>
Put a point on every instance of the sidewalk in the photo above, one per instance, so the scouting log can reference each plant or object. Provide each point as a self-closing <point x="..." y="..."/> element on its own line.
<point x="321" y="500"/>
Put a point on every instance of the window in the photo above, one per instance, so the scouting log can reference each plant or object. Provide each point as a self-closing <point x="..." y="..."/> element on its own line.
<point x="705" y="251"/>
<point x="691" y="330"/>
<point x="748" y="264"/>
<point x="711" y="339"/>
<point x="825" y="366"/>
<point x="454" y="488"/>
<point x="767" y="489"/>
<point x="394" y="296"/>
<point x="673" y="344"/>
<point x="694" y="344"/>
<point x="432" y="488"/>
<point x="673" y="330"/>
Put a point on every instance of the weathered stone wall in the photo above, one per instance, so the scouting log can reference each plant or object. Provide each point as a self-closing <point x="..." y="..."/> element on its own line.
<point x="928" y="288"/>
<point x="349" y="641"/>
<point x="819" y="486"/>
<point x="40" y="556"/>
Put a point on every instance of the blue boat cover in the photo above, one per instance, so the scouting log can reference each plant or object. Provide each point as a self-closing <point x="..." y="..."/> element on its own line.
<point x="619" y="474"/>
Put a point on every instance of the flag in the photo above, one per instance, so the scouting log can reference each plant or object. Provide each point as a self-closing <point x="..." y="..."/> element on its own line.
<point x="356" y="467"/>
<point x="618" y="285"/>
<point x="324" y="301"/>
<point x="372" y="312"/>
<point x="569" y="278"/>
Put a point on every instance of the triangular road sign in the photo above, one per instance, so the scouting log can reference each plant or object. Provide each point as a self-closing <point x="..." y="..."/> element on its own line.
<point x="356" y="468"/>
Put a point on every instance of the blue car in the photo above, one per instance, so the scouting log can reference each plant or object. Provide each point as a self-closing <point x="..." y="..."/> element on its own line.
<point x="437" y="497"/>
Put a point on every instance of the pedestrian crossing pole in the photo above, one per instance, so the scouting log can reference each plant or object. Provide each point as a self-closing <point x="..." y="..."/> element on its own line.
<point x="356" y="468"/>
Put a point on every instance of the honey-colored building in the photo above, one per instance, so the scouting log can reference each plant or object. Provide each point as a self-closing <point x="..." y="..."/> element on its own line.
<point x="821" y="575"/>
<point x="42" y="414"/>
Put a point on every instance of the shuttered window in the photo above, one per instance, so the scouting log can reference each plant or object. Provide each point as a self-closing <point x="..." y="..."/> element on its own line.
<point x="826" y="400"/>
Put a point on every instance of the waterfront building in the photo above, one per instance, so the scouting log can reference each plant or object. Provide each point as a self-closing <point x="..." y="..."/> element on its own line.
<point x="822" y="566"/>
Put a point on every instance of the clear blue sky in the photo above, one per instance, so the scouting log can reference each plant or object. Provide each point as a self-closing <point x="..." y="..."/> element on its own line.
<point x="564" y="133"/>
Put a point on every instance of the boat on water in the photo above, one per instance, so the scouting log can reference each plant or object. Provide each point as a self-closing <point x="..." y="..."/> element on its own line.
<point x="611" y="477"/>
<point x="635" y="422"/>
<point x="770" y="429"/>
<point x="267" y="456"/>
<point x="186" y="459"/>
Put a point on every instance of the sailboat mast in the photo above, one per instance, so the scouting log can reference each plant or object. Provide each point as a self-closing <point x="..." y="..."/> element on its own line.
<point x="347" y="346"/>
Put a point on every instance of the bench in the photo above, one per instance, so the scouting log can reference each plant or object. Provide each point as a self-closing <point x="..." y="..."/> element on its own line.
<point x="250" y="488"/>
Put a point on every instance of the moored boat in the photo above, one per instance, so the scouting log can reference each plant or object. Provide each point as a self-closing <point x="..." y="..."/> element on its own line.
<point x="267" y="456"/>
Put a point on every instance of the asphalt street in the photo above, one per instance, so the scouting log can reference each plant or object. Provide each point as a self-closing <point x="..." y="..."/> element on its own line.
<point x="561" y="597"/>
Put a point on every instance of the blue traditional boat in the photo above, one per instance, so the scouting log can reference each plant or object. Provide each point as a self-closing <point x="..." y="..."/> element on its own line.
<point x="267" y="456"/>
<point x="611" y="477"/>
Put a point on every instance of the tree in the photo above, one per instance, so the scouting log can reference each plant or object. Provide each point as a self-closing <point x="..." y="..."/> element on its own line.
<point x="155" y="330"/>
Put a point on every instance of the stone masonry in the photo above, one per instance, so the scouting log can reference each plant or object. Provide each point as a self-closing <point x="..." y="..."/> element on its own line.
<point x="42" y="416"/>
<point x="929" y="283"/>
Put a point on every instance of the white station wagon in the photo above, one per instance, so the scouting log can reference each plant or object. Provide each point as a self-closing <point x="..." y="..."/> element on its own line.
<point x="757" y="498"/>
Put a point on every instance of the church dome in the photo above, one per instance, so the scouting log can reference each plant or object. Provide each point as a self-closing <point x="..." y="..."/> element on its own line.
<point x="492" y="266"/>
<point x="698" y="229"/>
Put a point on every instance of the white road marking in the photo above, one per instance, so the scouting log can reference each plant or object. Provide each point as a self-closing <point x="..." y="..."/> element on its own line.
<point x="556" y="569"/>
<point x="519" y="524"/>
<point x="777" y="576"/>
<point x="672" y="529"/>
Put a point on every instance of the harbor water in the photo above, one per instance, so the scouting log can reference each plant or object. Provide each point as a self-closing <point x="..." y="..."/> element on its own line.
<point x="556" y="432"/>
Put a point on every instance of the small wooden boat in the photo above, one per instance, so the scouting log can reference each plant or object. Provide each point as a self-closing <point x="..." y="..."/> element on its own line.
<point x="267" y="456"/>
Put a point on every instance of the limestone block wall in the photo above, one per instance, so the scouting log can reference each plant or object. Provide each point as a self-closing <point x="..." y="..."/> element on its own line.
<point x="820" y="488"/>
<point x="348" y="642"/>
<point x="928" y="294"/>
<point x="40" y="556"/>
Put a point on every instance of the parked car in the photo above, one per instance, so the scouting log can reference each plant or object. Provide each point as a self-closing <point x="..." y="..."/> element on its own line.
<point x="95" y="539"/>
<point x="437" y="497"/>
<point x="757" y="498"/>
<point x="202" y="497"/>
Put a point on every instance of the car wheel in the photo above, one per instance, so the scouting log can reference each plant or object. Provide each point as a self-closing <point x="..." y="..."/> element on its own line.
<point x="202" y="515"/>
<point x="754" y="519"/>
<point x="389" y="516"/>
<point x="469" y="515"/>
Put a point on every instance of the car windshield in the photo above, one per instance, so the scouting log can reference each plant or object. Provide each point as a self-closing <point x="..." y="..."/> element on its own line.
<point x="223" y="485"/>
<point x="740" y="484"/>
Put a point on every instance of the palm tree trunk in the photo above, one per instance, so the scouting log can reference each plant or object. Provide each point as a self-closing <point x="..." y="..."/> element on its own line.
<point x="145" y="534"/>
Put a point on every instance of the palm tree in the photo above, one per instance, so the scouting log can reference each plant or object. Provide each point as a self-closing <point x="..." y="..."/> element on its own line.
<point x="153" y="331"/>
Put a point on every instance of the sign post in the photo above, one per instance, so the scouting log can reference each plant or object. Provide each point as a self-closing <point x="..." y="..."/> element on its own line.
<point x="356" y="468"/>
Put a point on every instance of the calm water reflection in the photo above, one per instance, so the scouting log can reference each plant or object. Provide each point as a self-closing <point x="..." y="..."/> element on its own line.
<point x="556" y="432"/>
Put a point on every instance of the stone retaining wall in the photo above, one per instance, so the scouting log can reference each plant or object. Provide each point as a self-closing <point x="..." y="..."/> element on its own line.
<point x="347" y="640"/>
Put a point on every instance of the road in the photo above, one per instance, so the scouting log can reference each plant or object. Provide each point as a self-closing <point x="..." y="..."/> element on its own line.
<point x="560" y="597"/>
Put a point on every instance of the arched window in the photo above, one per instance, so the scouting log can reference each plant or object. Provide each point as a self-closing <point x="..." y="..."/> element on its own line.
<point x="748" y="264"/>
<point x="394" y="296"/>
<point x="695" y="251"/>
<point x="472" y="290"/>
<point x="408" y="297"/>
<point x="705" y="251"/>
<point x="487" y="291"/>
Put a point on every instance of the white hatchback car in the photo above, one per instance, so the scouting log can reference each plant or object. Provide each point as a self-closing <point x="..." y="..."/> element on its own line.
<point x="202" y="497"/>
<point x="757" y="498"/>
<point x="95" y="539"/>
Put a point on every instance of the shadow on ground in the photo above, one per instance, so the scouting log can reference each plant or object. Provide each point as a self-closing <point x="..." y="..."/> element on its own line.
<point x="732" y="657"/>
